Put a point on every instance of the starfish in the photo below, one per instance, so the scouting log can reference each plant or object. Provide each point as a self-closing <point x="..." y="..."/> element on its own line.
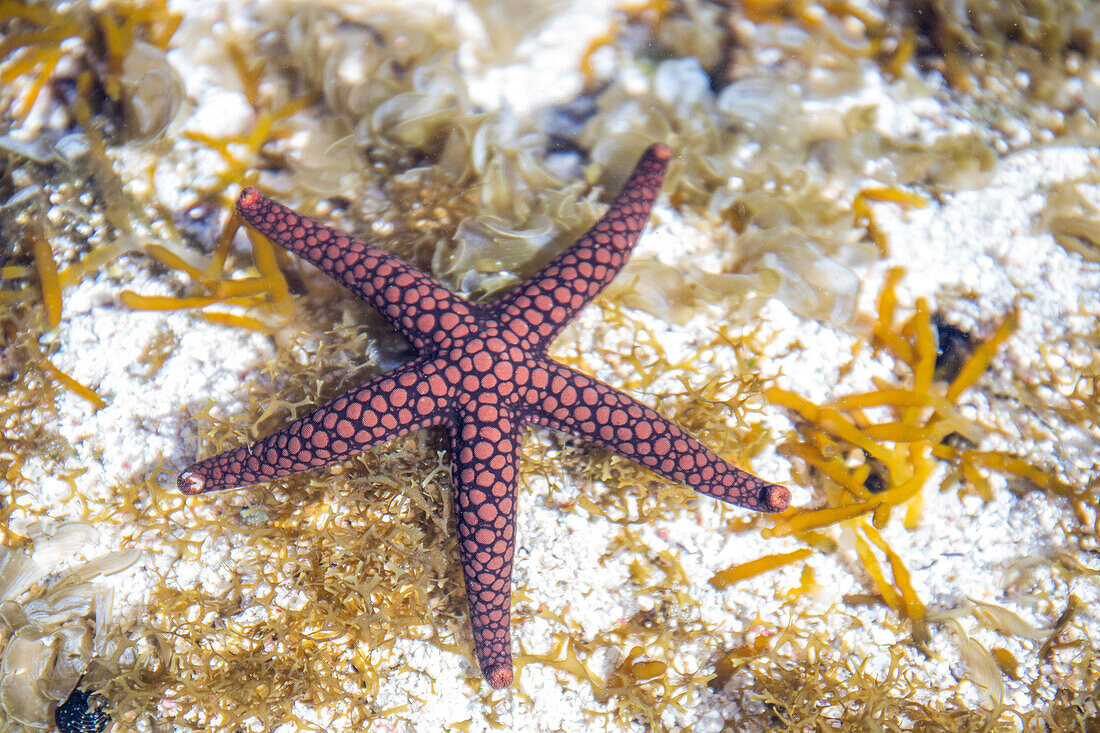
<point x="482" y="373"/>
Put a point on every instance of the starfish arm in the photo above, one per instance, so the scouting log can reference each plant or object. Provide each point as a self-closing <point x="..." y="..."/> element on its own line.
<point x="566" y="400"/>
<point x="540" y="308"/>
<point x="421" y="308"/>
<point x="413" y="397"/>
<point x="485" y="447"/>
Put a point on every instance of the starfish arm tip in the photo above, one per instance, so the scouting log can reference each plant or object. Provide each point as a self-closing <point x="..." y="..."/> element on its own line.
<point x="499" y="677"/>
<point x="775" y="498"/>
<point x="661" y="151"/>
<point x="248" y="200"/>
<point x="190" y="482"/>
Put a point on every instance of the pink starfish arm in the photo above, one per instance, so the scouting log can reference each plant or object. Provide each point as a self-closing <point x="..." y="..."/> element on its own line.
<point x="413" y="397"/>
<point x="566" y="400"/>
<point x="485" y="449"/>
<point x="420" y="308"/>
<point x="542" y="306"/>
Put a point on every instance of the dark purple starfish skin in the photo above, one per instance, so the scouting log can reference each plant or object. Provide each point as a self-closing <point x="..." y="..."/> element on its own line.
<point x="482" y="373"/>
